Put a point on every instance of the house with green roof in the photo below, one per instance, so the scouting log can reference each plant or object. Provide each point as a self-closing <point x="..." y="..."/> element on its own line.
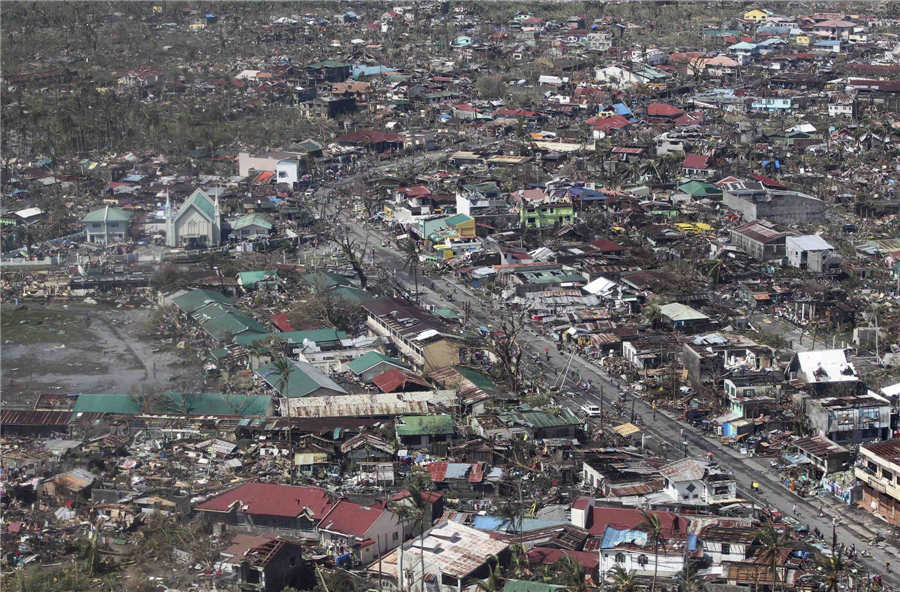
<point x="250" y="280"/>
<point x="223" y="322"/>
<point x="700" y="190"/>
<point x="421" y="431"/>
<point x="196" y="224"/>
<point x="192" y="300"/>
<point x="301" y="380"/>
<point x="373" y="363"/>
<point x="107" y="225"/>
<point x="251" y="226"/>
<point x="327" y="338"/>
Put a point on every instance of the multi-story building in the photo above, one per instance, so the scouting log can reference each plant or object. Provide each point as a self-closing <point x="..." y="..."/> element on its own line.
<point x="878" y="468"/>
<point x="785" y="207"/>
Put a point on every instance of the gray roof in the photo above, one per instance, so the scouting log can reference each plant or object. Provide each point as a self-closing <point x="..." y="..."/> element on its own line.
<point x="681" y="312"/>
<point x="809" y="242"/>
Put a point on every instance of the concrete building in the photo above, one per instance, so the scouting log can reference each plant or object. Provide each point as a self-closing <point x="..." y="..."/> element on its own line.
<point x="287" y="166"/>
<point x="810" y="252"/>
<point x="196" y="224"/>
<point x="107" y="225"/>
<point x="878" y="469"/>
<point x="696" y="482"/>
<point x="851" y="419"/>
<point x="784" y="207"/>
<point x="759" y="240"/>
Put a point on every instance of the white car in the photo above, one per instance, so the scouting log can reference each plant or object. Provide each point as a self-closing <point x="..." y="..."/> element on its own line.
<point x="591" y="410"/>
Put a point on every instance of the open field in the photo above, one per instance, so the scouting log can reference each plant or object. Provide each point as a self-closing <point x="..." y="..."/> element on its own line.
<point x="78" y="348"/>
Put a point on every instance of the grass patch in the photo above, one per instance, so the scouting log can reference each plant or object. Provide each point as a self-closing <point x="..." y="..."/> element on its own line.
<point x="24" y="326"/>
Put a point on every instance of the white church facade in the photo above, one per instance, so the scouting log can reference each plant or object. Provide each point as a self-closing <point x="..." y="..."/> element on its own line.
<point x="196" y="224"/>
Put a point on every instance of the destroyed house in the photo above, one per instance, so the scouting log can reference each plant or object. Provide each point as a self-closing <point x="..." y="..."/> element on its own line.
<point x="271" y="566"/>
<point x="422" y="338"/>
<point x="850" y="419"/>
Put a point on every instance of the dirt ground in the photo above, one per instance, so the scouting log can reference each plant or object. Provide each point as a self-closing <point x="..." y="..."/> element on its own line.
<point x="81" y="348"/>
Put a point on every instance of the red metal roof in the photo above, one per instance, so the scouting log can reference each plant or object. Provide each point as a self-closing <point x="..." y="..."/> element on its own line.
<point x="11" y="417"/>
<point x="608" y="123"/>
<point x="477" y="474"/>
<point x="606" y="246"/>
<point x="548" y="556"/>
<point x="270" y="499"/>
<point x="695" y="161"/>
<point x="263" y="177"/>
<point x="628" y="518"/>
<point x="768" y="182"/>
<point x="281" y="322"/>
<point x="347" y="517"/>
<point x="390" y="381"/>
<point x="437" y="470"/>
<point x="663" y="110"/>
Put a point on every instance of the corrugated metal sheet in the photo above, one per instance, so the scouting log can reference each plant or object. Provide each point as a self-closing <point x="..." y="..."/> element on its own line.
<point x="35" y="418"/>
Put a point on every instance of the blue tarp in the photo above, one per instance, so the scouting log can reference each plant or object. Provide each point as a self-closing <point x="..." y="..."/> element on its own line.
<point x="613" y="537"/>
<point x="692" y="542"/>
<point x="456" y="470"/>
<point x="622" y="109"/>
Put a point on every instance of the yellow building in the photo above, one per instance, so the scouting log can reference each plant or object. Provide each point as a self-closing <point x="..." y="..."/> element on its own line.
<point x="802" y="40"/>
<point x="756" y="15"/>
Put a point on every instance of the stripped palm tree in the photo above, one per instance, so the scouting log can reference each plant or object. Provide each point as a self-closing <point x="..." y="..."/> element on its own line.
<point x="834" y="567"/>
<point x="687" y="580"/>
<point x="622" y="580"/>
<point x="494" y="581"/>
<point x="773" y="544"/>
<point x="653" y="527"/>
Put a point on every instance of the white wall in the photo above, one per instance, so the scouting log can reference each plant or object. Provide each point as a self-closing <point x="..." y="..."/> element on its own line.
<point x="668" y="565"/>
<point x="193" y="223"/>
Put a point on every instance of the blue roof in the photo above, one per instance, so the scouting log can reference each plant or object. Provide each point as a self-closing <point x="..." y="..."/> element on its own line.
<point x="743" y="45"/>
<point x="613" y="537"/>
<point x="456" y="470"/>
<point x="828" y="42"/>
<point x="585" y="193"/>
<point x="622" y="109"/>
<point x="364" y="70"/>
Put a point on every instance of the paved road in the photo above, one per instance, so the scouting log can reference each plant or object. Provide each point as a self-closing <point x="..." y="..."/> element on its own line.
<point x="664" y="428"/>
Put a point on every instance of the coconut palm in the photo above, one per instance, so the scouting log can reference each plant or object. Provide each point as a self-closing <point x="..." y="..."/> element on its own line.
<point x="687" y="580"/>
<point x="773" y="543"/>
<point x="834" y="568"/>
<point x="654" y="530"/>
<point x="494" y="581"/>
<point x="569" y="573"/>
<point x="282" y="368"/>
<point x="622" y="580"/>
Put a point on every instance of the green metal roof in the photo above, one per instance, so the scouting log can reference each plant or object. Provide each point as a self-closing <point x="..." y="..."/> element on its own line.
<point x="248" y="279"/>
<point x="699" y="189"/>
<point x="174" y="404"/>
<point x="328" y="64"/>
<point x="303" y="380"/>
<point x="252" y="220"/>
<point x="202" y="202"/>
<point x="458" y="219"/>
<point x="119" y="404"/>
<point x="418" y="425"/>
<point x="108" y="214"/>
<point x="250" y="337"/>
<point x="475" y="377"/>
<point x="314" y="335"/>
<point x="222" y="320"/>
<point x="529" y="586"/>
<point x="371" y="359"/>
<point x="196" y="299"/>
<point x="448" y="314"/>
